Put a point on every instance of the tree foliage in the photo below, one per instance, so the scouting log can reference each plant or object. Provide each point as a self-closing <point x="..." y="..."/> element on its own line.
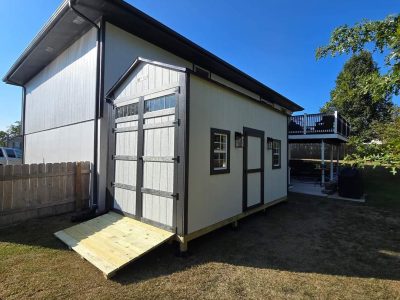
<point x="356" y="104"/>
<point x="12" y="131"/>
<point x="381" y="36"/>
<point x="385" y="153"/>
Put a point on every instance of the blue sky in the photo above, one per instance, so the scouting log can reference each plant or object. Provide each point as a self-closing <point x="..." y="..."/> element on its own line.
<point x="273" y="41"/>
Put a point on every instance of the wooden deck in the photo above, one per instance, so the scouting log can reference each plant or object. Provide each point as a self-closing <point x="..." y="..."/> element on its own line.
<point x="111" y="241"/>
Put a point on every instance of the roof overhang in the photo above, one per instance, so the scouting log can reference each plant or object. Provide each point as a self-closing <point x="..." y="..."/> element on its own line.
<point x="61" y="31"/>
<point x="63" y="28"/>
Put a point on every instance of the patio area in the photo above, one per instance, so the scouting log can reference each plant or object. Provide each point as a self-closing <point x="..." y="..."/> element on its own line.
<point x="313" y="187"/>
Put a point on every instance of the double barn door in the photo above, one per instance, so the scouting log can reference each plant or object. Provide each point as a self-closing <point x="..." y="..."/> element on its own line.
<point x="145" y="157"/>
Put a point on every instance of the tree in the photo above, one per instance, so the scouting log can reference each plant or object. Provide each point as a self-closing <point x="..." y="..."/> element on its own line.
<point x="12" y="131"/>
<point x="3" y="138"/>
<point x="382" y="37"/>
<point x="356" y="104"/>
<point x="387" y="152"/>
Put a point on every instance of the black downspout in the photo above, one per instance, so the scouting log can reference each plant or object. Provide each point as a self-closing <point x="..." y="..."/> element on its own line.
<point x="23" y="109"/>
<point x="287" y="156"/>
<point x="94" y="204"/>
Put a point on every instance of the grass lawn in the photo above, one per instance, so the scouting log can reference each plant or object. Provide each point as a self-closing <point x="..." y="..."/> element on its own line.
<point x="306" y="248"/>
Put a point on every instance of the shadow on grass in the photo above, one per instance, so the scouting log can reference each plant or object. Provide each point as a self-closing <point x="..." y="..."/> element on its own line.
<point x="306" y="235"/>
<point x="37" y="232"/>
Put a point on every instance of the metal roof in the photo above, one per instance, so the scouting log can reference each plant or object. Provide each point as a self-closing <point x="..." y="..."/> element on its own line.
<point x="64" y="28"/>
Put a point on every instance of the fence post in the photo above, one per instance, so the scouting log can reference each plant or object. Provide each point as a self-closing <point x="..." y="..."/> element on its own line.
<point x="305" y="124"/>
<point x="25" y="178"/>
<point x="85" y="179"/>
<point x="78" y="187"/>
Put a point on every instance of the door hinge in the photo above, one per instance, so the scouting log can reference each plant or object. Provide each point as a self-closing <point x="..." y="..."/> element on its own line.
<point x="177" y="159"/>
<point x="175" y="196"/>
<point x="177" y="122"/>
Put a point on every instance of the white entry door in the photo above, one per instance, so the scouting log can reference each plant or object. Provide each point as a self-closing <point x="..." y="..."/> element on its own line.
<point x="253" y="168"/>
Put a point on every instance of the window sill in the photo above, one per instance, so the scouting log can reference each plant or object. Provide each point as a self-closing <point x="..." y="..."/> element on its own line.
<point x="220" y="171"/>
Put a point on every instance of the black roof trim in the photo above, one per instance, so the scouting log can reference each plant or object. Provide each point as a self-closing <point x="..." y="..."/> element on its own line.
<point x="61" y="10"/>
<point x="135" y="64"/>
<point x="129" y="18"/>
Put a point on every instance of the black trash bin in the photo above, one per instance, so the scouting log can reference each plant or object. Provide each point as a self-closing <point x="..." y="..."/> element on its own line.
<point x="350" y="183"/>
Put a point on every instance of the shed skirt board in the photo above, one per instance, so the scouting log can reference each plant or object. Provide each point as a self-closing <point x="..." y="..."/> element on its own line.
<point x="111" y="241"/>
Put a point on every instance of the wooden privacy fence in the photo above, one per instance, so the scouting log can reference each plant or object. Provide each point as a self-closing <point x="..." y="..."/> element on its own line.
<point x="29" y="191"/>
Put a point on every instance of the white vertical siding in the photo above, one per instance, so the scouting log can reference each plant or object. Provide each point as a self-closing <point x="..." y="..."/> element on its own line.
<point x="147" y="78"/>
<point x="122" y="48"/>
<point x="65" y="144"/>
<point x="64" y="92"/>
<point x="213" y="198"/>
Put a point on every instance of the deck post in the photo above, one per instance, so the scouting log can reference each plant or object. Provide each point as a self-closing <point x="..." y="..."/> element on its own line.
<point x="331" y="169"/>
<point x="289" y="157"/>
<point x="337" y="160"/>
<point x="305" y="124"/>
<point x="322" y="162"/>
<point x="335" y="123"/>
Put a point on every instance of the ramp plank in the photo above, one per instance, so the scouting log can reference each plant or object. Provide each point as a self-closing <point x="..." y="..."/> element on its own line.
<point x="111" y="241"/>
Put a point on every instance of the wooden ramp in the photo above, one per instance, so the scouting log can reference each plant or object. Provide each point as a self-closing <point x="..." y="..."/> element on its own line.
<point x="111" y="241"/>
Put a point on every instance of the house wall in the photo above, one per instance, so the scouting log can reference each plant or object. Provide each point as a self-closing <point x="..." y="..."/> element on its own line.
<point x="60" y="106"/>
<point x="213" y="198"/>
<point x="65" y="144"/>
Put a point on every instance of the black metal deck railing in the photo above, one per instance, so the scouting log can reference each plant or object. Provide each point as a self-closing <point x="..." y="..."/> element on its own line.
<point x="319" y="124"/>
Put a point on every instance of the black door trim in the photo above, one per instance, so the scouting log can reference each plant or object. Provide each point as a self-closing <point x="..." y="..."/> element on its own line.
<point x="260" y="134"/>
<point x="139" y="155"/>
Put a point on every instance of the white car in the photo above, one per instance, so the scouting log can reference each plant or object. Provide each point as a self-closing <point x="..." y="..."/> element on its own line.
<point x="10" y="156"/>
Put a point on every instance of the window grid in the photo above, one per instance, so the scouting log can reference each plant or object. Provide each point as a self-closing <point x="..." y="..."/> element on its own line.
<point x="220" y="151"/>
<point x="276" y="154"/>
<point x="127" y="110"/>
<point x="160" y="103"/>
<point x="220" y="144"/>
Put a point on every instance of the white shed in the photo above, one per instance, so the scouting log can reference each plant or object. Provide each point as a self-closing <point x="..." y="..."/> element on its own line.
<point x="177" y="137"/>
